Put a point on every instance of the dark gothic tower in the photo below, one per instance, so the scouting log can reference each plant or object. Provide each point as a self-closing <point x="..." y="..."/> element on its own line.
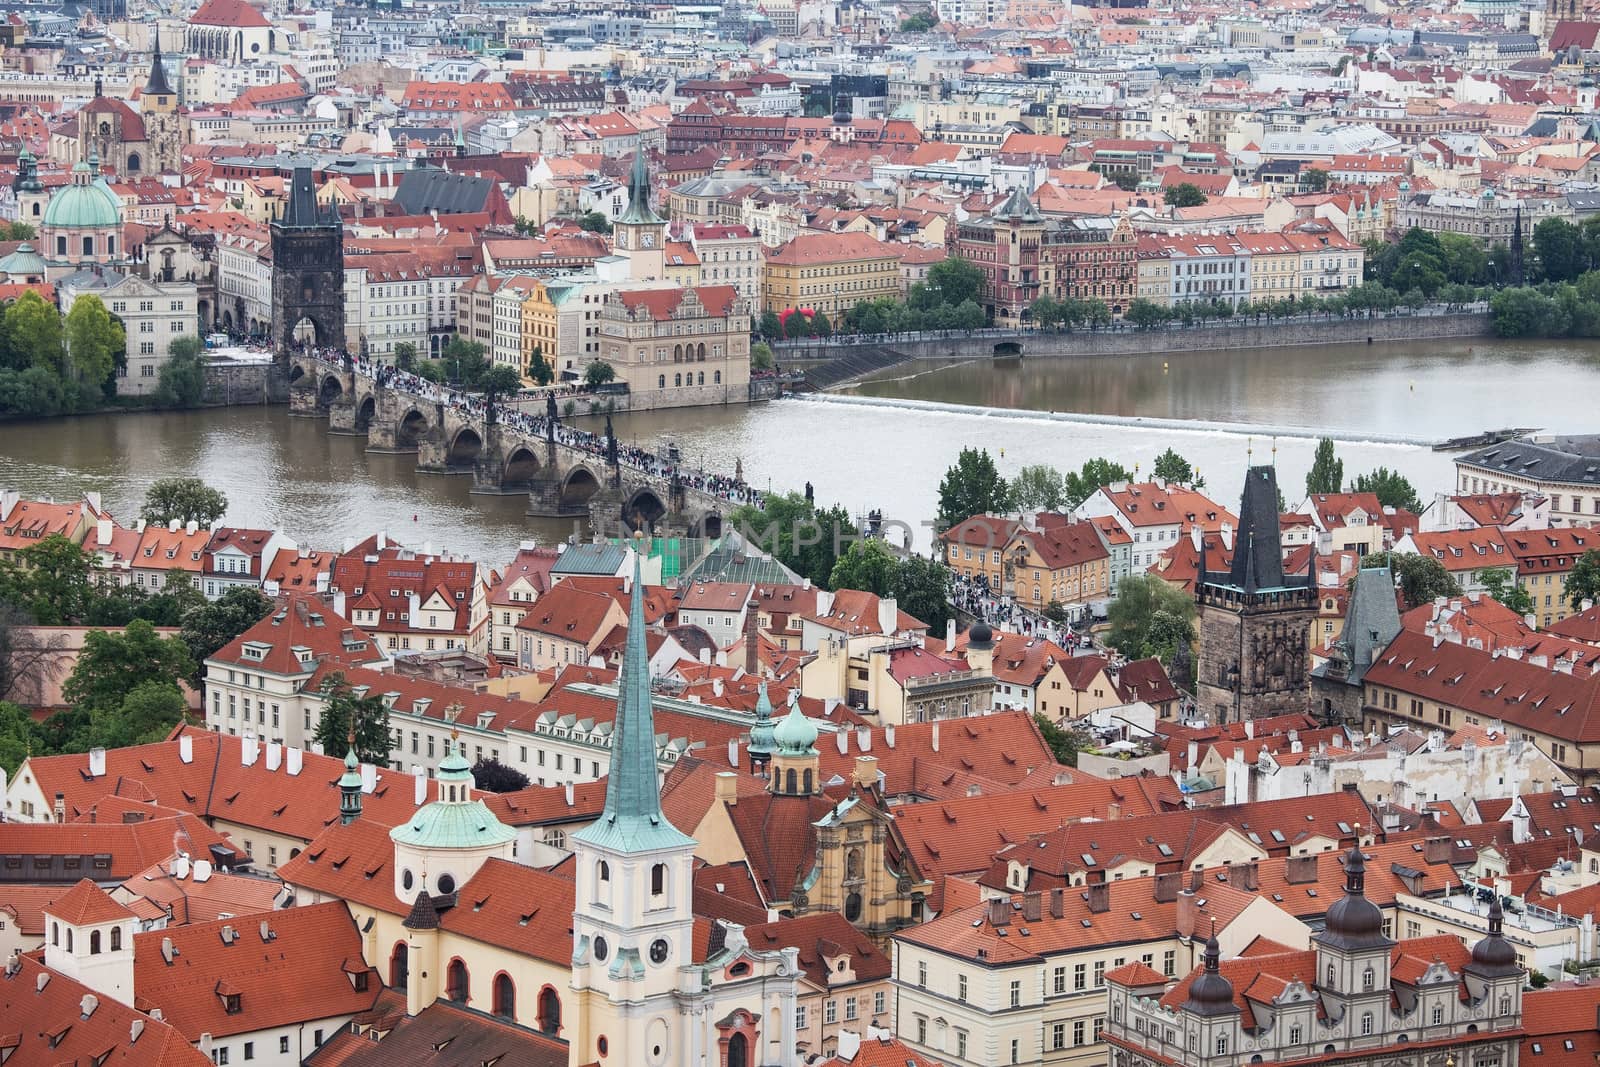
<point x="1516" y="247"/>
<point x="1254" y="620"/>
<point x="307" y="270"/>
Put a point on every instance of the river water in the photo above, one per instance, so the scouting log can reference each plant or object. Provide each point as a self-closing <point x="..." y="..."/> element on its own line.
<point x="868" y="448"/>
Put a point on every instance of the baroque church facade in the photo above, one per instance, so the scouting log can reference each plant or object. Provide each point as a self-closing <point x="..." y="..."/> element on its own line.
<point x="133" y="144"/>
<point x="603" y="955"/>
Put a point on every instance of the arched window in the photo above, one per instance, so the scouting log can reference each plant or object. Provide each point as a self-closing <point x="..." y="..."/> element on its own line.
<point x="1331" y="982"/>
<point x="94" y="942"/>
<point x="116" y="939"/>
<point x="602" y="871"/>
<point x="505" y="996"/>
<point x="700" y="378"/>
<point x="716" y="377"/>
<point x="549" y="1011"/>
<point x="458" y="983"/>
<point x="61" y="245"/>
<point x="661" y="381"/>
<point x="852" y="864"/>
<point x="398" y="966"/>
<point x="677" y="381"/>
<point x="808" y="779"/>
<point x="1505" y="1004"/>
<point x="738" y="1051"/>
<point x="88" y="246"/>
<point x="700" y="353"/>
<point x="55" y="934"/>
<point x="852" y="907"/>
<point x="1368" y="978"/>
<point x="658" y="879"/>
<point x="791" y="780"/>
<point x="69" y="939"/>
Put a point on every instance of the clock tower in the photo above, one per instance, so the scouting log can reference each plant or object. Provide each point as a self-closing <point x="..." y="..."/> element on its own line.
<point x="640" y="233"/>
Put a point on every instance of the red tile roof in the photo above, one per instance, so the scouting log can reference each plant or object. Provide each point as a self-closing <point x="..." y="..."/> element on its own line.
<point x="300" y="633"/>
<point x="234" y="14"/>
<point x="823" y="936"/>
<point x="44" y="1025"/>
<point x="291" y="967"/>
<point x="86" y="904"/>
<point x="664" y="304"/>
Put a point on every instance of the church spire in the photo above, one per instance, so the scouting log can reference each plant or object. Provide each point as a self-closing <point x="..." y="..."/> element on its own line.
<point x="639" y="210"/>
<point x="158" y="84"/>
<point x="350" y="784"/>
<point x="632" y="820"/>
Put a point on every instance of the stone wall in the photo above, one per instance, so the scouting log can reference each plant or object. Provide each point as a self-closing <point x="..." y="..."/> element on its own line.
<point x="241" y="383"/>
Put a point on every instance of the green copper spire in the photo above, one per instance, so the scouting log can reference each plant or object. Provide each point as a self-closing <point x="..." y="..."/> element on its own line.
<point x="761" y="739"/>
<point x="639" y="210"/>
<point x="632" y="820"/>
<point x="350" y="786"/>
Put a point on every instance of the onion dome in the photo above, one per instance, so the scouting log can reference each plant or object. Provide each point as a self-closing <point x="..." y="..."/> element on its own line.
<point x="1211" y="994"/>
<point x="980" y="636"/>
<point x="796" y="735"/>
<point x="82" y="204"/>
<point x="1354" y="922"/>
<point x="762" y="735"/>
<point x="1494" y="956"/>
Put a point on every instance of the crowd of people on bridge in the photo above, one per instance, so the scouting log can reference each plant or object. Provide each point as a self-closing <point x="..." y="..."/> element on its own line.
<point x="547" y="426"/>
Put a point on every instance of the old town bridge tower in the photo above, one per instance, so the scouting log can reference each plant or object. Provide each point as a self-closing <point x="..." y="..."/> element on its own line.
<point x="307" y="272"/>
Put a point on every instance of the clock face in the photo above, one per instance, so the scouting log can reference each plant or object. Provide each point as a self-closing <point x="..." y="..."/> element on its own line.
<point x="658" y="952"/>
<point x="648" y="240"/>
<point x="622" y="238"/>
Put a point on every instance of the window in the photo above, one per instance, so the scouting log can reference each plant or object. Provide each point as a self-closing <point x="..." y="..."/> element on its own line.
<point x="1059" y="980"/>
<point x="1222" y="1044"/>
<point x="961" y="1043"/>
<point x="799" y="1016"/>
<point x="961" y="987"/>
<point x="249" y="1050"/>
<point x="849" y="1008"/>
<point x="1294" y="1034"/>
<point x="458" y="983"/>
<point x="1079" y="976"/>
<point x="1078" y="1033"/>
<point x="1438" y="1014"/>
<point x="879" y="1003"/>
<point x="1016" y="994"/>
<point x="1367" y="979"/>
<point x="1366" y="1024"/>
<point x="1099" y="973"/>
<point x="922" y="1030"/>
<point x="283" y="1045"/>
<point x="830" y="1012"/>
<point x="922" y="973"/>
<point x="219" y="1056"/>
<point x="1169" y="963"/>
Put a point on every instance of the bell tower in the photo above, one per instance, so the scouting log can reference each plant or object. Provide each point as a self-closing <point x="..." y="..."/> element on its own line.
<point x="158" y="106"/>
<point x="633" y="924"/>
<point x="640" y="233"/>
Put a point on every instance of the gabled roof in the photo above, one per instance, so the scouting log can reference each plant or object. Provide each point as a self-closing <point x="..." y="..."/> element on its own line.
<point x="233" y="14"/>
<point x="45" y="1024"/>
<point x="86" y="904"/>
<point x="291" y="967"/>
<point x="821" y="937"/>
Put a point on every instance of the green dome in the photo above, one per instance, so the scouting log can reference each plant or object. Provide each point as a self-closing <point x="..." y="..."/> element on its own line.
<point x="86" y="204"/>
<point x="763" y="732"/>
<point x="796" y="735"/>
<point x="462" y="822"/>
<point x="26" y="260"/>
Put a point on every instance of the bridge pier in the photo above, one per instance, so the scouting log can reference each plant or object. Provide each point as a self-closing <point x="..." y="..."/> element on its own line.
<point x="304" y="402"/>
<point x="342" y="417"/>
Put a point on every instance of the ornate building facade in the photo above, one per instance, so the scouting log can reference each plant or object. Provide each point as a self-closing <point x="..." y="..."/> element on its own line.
<point x="1355" y="997"/>
<point x="1024" y="256"/>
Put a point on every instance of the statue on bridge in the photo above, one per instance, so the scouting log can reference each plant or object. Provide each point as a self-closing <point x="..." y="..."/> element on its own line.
<point x="611" y="444"/>
<point x="550" y="416"/>
<point x="810" y="494"/>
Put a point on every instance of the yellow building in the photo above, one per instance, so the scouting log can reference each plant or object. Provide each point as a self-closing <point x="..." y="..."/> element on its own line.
<point x="830" y="272"/>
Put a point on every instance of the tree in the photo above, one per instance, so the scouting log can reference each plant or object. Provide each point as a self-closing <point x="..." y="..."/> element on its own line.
<point x="182" y="383"/>
<point x="19" y="231"/>
<point x="1422" y="578"/>
<point x="1175" y="470"/>
<point x="1392" y="488"/>
<point x="788" y="527"/>
<point x="147" y="714"/>
<point x="1094" y="474"/>
<point x="19" y="738"/>
<point x="972" y="486"/>
<point x="761" y="356"/>
<point x="1520" y="312"/>
<point x="918" y="23"/>
<point x="49" y="580"/>
<point x="211" y="624"/>
<point x="405" y="355"/>
<point x="867" y="565"/>
<point x="113" y="665"/>
<point x="492" y="776"/>
<point x="498" y="381"/>
<point x="340" y="708"/>
<point x="1184" y="194"/>
<point x="1501" y="583"/>
<point x="1148" y="616"/>
<point x="821" y="326"/>
<point x="1038" y="487"/>
<point x="33" y="328"/>
<point x="950" y="283"/>
<point x="1314" y="179"/>
<point x="1146" y="313"/>
<point x="1583" y="581"/>
<point x="921" y="588"/>
<point x="771" y="325"/>
<point x="599" y="373"/>
<point x="539" y="369"/>
<point x="594" y="222"/>
<point x="1558" y="245"/>
<point x="1327" y="470"/>
<point x="185" y="500"/>
<point x="1064" y="741"/>
<point x="94" y="339"/>
<point x="1466" y="261"/>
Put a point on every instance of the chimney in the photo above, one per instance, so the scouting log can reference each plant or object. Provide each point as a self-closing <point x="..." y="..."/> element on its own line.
<point x="249" y="749"/>
<point x="1300" y="870"/>
<point x="1438" y="849"/>
<point x="571" y="793"/>
<point x="274" y="756"/>
<point x="1194" y="756"/>
<point x="888" y="735"/>
<point x="88" y="1004"/>
<point x="135" y="1030"/>
<point x="1197" y="881"/>
<point x="935" y="741"/>
<point x="733" y="752"/>
<point x="1099" y="898"/>
<point x="186" y="748"/>
<point x="419" y="783"/>
<point x="866" y="772"/>
<point x="1250" y="729"/>
<point x="294" y="758"/>
<point x="1167" y="886"/>
<point x="752" y="661"/>
<point x="180" y="867"/>
<point x="727" y="789"/>
<point x="369" y="778"/>
<point x="950" y="635"/>
<point x="1058" y="906"/>
<point x="202" y="870"/>
<point x="1031" y="907"/>
<point x="60" y="807"/>
<point x="1000" y="911"/>
<point x="97" y="763"/>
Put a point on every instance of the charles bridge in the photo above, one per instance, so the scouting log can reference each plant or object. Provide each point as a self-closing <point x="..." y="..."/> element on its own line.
<point x="564" y="472"/>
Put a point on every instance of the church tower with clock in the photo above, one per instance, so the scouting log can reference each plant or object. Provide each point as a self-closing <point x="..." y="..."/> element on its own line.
<point x="640" y="233"/>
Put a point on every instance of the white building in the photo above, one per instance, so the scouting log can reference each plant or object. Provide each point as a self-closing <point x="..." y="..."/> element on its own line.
<point x="153" y="314"/>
